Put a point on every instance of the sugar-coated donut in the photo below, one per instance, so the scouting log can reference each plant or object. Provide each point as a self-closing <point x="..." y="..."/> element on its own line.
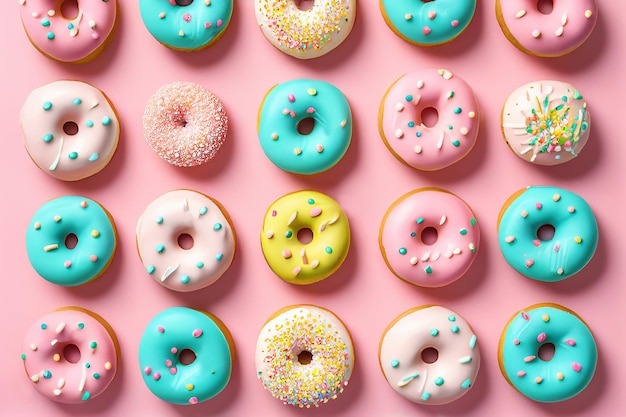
<point x="304" y="355"/>
<point x="195" y="216"/>
<point x="76" y="37"/>
<point x="309" y="33"/>
<point x="429" y="237"/>
<point x="185" y="124"/>
<point x="547" y="378"/>
<point x="289" y="221"/>
<point x="425" y="147"/>
<point x="428" y="23"/>
<point x="186" y="356"/>
<point x="70" y="355"/>
<point x="567" y="25"/>
<point x="71" y="240"/>
<point x="186" y="25"/>
<point x="546" y="122"/>
<point x="70" y="128"/>
<point x="441" y="377"/>
<point x="288" y="104"/>
<point x="544" y="257"/>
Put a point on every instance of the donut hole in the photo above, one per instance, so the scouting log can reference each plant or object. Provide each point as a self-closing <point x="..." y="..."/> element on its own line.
<point x="545" y="6"/>
<point x="184" y="3"/>
<point x="429" y="235"/>
<point x="187" y="357"/>
<point x="185" y="241"/>
<point x="305" y="357"/>
<point x="429" y="355"/>
<point x="70" y="128"/>
<point x="429" y="116"/>
<point x="71" y="241"/>
<point x="546" y="232"/>
<point x="71" y="353"/>
<point x="546" y="351"/>
<point x="304" y="5"/>
<point x="69" y="9"/>
<point x="305" y="235"/>
<point x="305" y="126"/>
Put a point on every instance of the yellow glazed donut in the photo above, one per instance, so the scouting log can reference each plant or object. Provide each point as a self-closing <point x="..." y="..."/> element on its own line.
<point x="305" y="237"/>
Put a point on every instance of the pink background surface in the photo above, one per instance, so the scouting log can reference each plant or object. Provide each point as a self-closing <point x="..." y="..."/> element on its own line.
<point x="364" y="293"/>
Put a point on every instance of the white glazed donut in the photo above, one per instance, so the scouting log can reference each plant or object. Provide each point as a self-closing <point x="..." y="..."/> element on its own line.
<point x="416" y="377"/>
<point x="200" y="219"/>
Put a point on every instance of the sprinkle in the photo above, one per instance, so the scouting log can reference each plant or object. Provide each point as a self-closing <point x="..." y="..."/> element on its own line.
<point x="399" y="134"/>
<point x="538" y="380"/>
<point x="217" y="226"/>
<point x="150" y="269"/>
<point x="466" y="384"/>
<point x="521" y="374"/>
<point x="189" y="387"/>
<point x="47" y="374"/>
<point x="509" y="239"/>
<point x="197" y="333"/>
<point x="106" y="121"/>
<point x="471" y="115"/>
<point x="560" y="376"/>
<point x="296" y="270"/>
<point x="465" y="359"/>
<point x="51" y="247"/>
<point x="571" y="209"/>
<point x="269" y="234"/>
<point x="160" y="248"/>
<point x="530" y="358"/>
<point x="395" y="363"/>
<point x="439" y="381"/>
<point x="463" y="131"/>
<point x="274" y="136"/>
<point x="219" y="256"/>
<point x="434" y="332"/>
<point x="286" y="254"/>
<point x="428" y="270"/>
<point x="311" y="91"/>
<point x="402" y="251"/>
<point x="588" y="13"/>
<point x="413" y="260"/>
<point x="576" y="366"/>
<point x="328" y="250"/>
<point x="454" y="23"/>
<point x="47" y="106"/>
<point x="432" y="15"/>
<point x="538" y="206"/>
<point x="37" y="225"/>
<point x="545" y="318"/>
<point x="95" y="234"/>
<point x="47" y="137"/>
<point x="399" y="107"/>
<point x="181" y="33"/>
<point x="108" y="366"/>
<point x="420" y="84"/>
<point x="315" y="211"/>
<point x="319" y="148"/>
<point x="542" y="337"/>
<point x="156" y="376"/>
<point x="86" y="396"/>
<point x="193" y="400"/>
<point x="529" y="263"/>
<point x="454" y="329"/>
<point x="343" y="123"/>
<point x="524" y="213"/>
<point x="570" y="342"/>
<point x="297" y="151"/>
<point x="425" y="396"/>
<point x="67" y="264"/>
<point x="408" y="16"/>
<point x="57" y="218"/>
<point x="72" y="155"/>
<point x="536" y="33"/>
<point x="56" y="357"/>
<point x="578" y="239"/>
<point x="463" y="232"/>
<point x="147" y="370"/>
<point x="520" y="14"/>
<point x="184" y="279"/>
<point x="417" y="149"/>
<point x="472" y="342"/>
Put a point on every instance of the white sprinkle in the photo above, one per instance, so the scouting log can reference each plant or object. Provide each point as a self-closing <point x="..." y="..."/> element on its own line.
<point x="408" y="16"/>
<point x="51" y="247"/>
<point x="564" y="19"/>
<point x="60" y="328"/>
<point x="56" y="392"/>
<point x="520" y="14"/>
<point x="399" y="134"/>
<point x="463" y="131"/>
<point x="435" y="256"/>
<point x="185" y="205"/>
<point x="440" y="142"/>
<point x="399" y="107"/>
<point x="420" y="84"/>
<point x="536" y="33"/>
<point x="559" y="31"/>
<point x="426" y="257"/>
<point x="269" y="234"/>
<point x="456" y="251"/>
<point x="292" y="218"/>
<point x="83" y="378"/>
<point x="443" y="220"/>
<point x="343" y="123"/>
<point x="417" y="149"/>
<point x="170" y="270"/>
<point x="413" y="260"/>
<point x="444" y="73"/>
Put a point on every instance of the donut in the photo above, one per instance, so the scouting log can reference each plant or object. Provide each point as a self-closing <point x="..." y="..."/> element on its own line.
<point x="305" y="33"/>
<point x="428" y="23"/>
<point x="429" y="237"/>
<point x="304" y="355"/>
<point x="547" y="33"/>
<point x="70" y="355"/>
<point x="71" y="240"/>
<point x="546" y="122"/>
<point x="70" y="129"/>
<point x="186" y="356"/>
<point x="185" y="124"/>
<point x="161" y="232"/>
<point x="283" y="110"/>
<point x="429" y="145"/>
<point x="547" y="233"/>
<point x="305" y="237"/>
<point x="186" y="25"/>
<point x="552" y="330"/>
<point x="429" y="355"/>
<point x="69" y="34"/>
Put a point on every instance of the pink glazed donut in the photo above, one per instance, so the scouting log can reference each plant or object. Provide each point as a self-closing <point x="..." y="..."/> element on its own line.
<point x="563" y="29"/>
<point x="401" y="124"/>
<point x="429" y="237"/>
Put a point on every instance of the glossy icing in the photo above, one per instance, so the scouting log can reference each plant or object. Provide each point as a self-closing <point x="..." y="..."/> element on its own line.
<point x="185" y="124"/>
<point x="76" y="378"/>
<point x="286" y="373"/>
<point x="47" y="117"/>
<point x="285" y="106"/>
<point x="46" y="237"/>
<point x="453" y="372"/>
<point x="423" y="263"/>
<point x="185" y="212"/>
<point x="76" y="38"/>
<point x="179" y="329"/>
<point x="195" y="26"/>
<point x="428" y="23"/>
<point x="305" y="34"/>
<point x="563" y="376"/>
<point x="546" y="122"/>
<point x="424" y="147"/>
<point x="567" y="252"/>
<point x="557" y="33"/>
<point x="305" y="263"/>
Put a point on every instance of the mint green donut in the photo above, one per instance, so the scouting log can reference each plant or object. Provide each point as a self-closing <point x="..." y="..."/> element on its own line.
<point x="563" y="376"/>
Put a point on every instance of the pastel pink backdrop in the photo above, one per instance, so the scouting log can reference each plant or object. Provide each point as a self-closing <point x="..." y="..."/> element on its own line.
<point x="364" y="293"/>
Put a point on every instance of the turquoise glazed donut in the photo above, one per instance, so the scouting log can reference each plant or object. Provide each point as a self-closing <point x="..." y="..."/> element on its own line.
<point x="560" y="377"/>
<point x="186" y="25"/>
<point x="428" y="23"/>
<point x="168" y="337"/>
<point x="285" y="106"/>
<point x="57" y="226"/>
<point x="558" y="257"/>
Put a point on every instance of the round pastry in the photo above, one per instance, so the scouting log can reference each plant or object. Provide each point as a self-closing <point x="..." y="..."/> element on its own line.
<point x="186" y="356"/>
<point x="186" y="25"/>
<point x="70" y="128"/>
<point x="547" y="353"/>
<point x="428" y="23"/>
<point x="429" y="237"/>
<point x="69" y="34"/>
<point x="309" y="33"/>
<point x="71" y="240"/>
<point x="546" y="122"/>
<point x="547" y="33"/>
<point x="305" y="237"/>
<point x="429" y="355"/>
<point x="304" y="355"/>
<point x="547" y="233"/>
<point x="70" y="355"/>
<point x="185" y="124"/>
<point x="429" y="144"/>
<point x="289" y="104"/>
<point x="185" y="240"/>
